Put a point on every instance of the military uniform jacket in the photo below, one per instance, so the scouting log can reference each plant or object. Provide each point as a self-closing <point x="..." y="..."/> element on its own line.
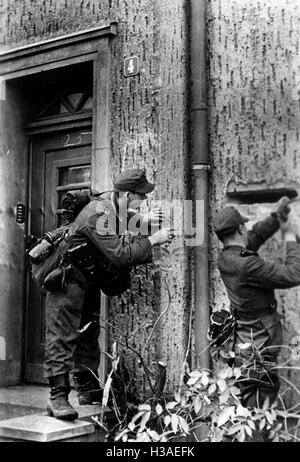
<point x="100" y="223"/>
<point x="250" y="281"/>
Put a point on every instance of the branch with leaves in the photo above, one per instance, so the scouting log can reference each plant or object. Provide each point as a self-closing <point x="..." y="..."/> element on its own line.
<point x="212" y="398"/>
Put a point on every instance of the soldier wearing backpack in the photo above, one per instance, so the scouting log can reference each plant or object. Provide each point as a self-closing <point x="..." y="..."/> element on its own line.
<point x="96" y="255"/>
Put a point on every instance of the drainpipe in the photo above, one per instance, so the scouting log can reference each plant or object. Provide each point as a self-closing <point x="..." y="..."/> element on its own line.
<point x="201" y="168"/>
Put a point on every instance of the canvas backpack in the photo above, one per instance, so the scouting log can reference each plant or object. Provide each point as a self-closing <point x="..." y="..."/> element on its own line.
<point x="47" y="255"/>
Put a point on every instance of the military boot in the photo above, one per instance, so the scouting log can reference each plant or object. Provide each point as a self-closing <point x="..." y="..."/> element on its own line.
<point x="87" y="387"/>
<point x="58" y="405"/>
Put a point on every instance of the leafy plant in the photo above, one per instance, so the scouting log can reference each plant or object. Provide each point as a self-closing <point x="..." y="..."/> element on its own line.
<point x="207" y="405"/>
<point x="206" y="398"/>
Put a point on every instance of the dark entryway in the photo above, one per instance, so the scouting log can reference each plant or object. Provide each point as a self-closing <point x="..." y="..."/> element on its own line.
<point x="59" y="129"/>
<point x="60" y="162"/>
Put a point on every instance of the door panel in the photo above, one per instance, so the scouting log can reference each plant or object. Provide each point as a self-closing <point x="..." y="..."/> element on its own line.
<point x="57" y="166"/>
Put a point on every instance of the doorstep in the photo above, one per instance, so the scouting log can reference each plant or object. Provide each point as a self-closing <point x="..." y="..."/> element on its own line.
<point x="44" y="429"/>
<point x="23" y="417"/>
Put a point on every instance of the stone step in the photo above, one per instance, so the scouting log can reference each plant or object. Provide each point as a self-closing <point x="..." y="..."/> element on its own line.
<point x="23" y="417"/>
<point x="43" y="428"/>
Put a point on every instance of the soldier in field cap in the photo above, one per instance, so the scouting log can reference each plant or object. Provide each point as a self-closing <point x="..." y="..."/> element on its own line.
<point x="98" y="236"/>
<point x="250" y="282"/>
<point x="227" y="221"/>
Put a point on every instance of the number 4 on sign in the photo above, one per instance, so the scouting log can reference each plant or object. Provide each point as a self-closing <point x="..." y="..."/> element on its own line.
<point x="131" y="66"/>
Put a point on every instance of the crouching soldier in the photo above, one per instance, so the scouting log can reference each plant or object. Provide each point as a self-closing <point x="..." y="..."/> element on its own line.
<point x="250" y="282"/>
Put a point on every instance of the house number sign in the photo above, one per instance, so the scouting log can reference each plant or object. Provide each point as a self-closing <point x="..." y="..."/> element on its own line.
<point x="131" y="66"/>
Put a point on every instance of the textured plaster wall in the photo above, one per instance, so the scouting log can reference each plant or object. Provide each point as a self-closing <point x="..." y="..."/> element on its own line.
<point x="12" y="190"/>
<point x="150" y="112"/>
<point x="254" y="118"/>
<point x="148" y="130"/>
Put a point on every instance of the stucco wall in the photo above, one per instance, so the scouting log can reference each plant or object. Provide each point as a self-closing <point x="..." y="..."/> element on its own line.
<point x="150" y="132"/>
<point x="12" y="191"/>
<point x="254" y="118"/>
<point x="148" y="128"/>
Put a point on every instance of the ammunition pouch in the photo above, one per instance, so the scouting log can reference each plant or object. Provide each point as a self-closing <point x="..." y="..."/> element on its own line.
<point x="89" y="267"/>
<point x="77" y="276"/>
<point x="113" y="280"/>
<point x="57" y="279"/>
<point x="83" y="261"/>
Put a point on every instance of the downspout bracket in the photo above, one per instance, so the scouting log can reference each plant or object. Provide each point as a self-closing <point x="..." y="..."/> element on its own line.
<point x="206" y="167"/>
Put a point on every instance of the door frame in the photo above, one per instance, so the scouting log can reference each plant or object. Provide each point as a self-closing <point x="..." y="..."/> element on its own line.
<point x="93" y="45"/>
<point x="88" y="45"/>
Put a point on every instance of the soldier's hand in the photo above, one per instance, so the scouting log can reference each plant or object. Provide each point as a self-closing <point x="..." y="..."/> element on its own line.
<point x="155" y="216"/>
<point x="162" y="236"/>
<point x="290" y="227"/>
<point x="282" y="209"/>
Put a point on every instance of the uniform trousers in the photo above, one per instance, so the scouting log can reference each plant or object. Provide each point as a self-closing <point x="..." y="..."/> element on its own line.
<point x="67" y="311"/>
<point x="261" y="380"/>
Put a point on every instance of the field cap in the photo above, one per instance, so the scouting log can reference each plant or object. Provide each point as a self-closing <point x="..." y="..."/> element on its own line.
<point x="133" y="180"/>
<point x="227" y="221"/>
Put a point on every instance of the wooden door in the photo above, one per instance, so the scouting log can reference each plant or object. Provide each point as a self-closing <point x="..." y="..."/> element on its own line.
<point x="59" y="162"/>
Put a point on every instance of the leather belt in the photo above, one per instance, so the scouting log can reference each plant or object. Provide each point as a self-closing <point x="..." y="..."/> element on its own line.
<point x="249" y="315"/>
